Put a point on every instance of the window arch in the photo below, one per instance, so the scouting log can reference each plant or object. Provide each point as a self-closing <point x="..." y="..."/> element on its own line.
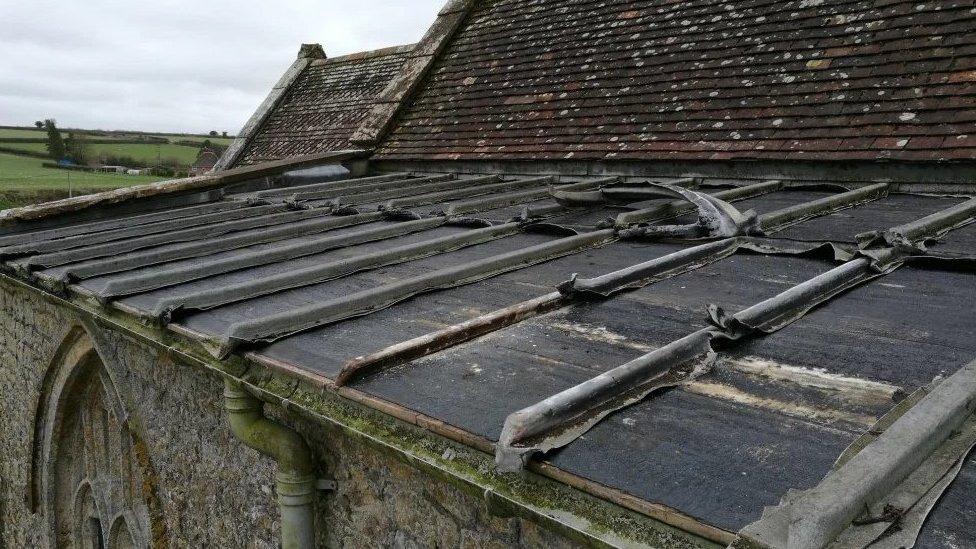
<point x="88" y="480"/>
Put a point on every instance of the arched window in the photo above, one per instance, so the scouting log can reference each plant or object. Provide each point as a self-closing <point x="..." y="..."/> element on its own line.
<point x="91" y="482"/>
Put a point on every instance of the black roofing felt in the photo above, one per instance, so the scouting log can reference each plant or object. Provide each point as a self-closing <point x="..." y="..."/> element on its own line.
<point x="716" y="460"/>
<point x="904" y="329"/>
<point x="894" y="210"/>
<point x="949" y="526"/>
<point x="773" y="414"/>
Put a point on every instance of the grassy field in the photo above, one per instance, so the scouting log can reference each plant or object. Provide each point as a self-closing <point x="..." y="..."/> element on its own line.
<point x="25" y="181"/>
<point x="27" y="133"/>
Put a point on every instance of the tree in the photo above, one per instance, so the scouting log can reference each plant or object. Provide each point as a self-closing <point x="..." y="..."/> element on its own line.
<point x="39" y="124"/>
<point x="55" y="144"/>
<point x="213" y="133"/>
<point x="77" y="149"/>
<point x="224" y="134"/>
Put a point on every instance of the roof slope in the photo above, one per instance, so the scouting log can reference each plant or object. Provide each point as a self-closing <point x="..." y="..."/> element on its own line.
<point x="703" y="79"/>
<point x="451" y="301"/>
<point x="323" y="106"/>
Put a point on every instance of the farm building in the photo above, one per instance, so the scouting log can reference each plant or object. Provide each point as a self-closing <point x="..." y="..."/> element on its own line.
<point x="628" y="273"/>
<point x="206" y="160"/>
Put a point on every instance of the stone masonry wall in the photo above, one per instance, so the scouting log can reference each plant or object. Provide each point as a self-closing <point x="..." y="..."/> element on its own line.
<point x="212" y="490"/>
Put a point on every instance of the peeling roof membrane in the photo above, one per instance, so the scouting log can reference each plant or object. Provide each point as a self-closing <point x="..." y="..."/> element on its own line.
<point x="451" y="302"/>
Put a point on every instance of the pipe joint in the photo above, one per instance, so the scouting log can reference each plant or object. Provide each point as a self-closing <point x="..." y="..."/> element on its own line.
<point x="295" y="481"/>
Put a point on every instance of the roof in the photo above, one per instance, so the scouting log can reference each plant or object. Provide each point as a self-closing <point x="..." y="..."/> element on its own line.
<point x="319" y="106"/>
<point x="704" y="79"/>
<point x="206" y="158"/>
<point x="746" y="352"/>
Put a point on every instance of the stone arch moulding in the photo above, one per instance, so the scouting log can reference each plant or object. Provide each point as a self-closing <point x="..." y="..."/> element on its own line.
<point x="90" y="473"/>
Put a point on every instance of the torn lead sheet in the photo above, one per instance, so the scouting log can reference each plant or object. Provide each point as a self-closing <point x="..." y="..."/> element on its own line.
<point x="888" y="480"/>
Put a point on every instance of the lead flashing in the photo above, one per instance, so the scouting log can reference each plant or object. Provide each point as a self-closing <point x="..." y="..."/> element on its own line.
<point x="819" y="516"/>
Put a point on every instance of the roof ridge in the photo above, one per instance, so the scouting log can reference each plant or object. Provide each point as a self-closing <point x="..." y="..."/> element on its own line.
<point x="370" y="54"/>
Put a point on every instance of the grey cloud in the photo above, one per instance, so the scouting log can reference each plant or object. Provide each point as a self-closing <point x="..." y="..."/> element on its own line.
<point x="175" y="65"/>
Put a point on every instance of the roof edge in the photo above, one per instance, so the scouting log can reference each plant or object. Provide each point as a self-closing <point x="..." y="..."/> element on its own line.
<point x="306" y="55"/>
<point x="380" y="119"/>
<point x="200" y="183"/>
<point x="371" y="54"/>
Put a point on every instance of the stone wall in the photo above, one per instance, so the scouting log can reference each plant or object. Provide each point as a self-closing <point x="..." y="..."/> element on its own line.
<point x="202" y="486"/>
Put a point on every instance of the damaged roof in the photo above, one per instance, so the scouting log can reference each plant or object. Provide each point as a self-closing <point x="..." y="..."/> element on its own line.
<point x="703" y="79"/>
<point x="317" y="105"/>
<point x="694" y="349"/>
<point x="719" y="353"/>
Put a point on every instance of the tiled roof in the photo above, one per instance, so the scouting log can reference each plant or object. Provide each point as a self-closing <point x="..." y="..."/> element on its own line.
<point x="323" y="106"/>
<point x="700" y="79"/>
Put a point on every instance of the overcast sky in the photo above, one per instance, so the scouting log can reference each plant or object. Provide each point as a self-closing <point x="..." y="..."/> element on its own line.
<point x="175" y="65"/>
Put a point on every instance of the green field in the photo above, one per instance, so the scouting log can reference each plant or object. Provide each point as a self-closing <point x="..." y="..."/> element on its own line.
<point x="28" y="133"/>
<point x="24" y="180"/>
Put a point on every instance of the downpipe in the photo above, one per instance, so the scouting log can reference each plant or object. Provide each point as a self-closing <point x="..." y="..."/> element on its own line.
<point x="295" y="480"/>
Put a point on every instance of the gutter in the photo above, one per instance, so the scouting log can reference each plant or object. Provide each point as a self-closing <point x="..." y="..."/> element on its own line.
<point x="295" y="481"/>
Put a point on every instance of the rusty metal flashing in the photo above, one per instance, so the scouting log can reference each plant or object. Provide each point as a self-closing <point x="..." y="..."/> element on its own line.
<point x="177" y="275"/>
<point x="567" y="293"/>
<point x="208" y="299"/>
<point x="306" y="55"/>
<point x="882" y="486"/>
<point x="356" y="182"/>
<point x="273" y="327"/>
<point x="424" y="345"/>
<point x="201" y="183"/>
<point x="188" y="250"/>
<point x="780" y="219"/>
